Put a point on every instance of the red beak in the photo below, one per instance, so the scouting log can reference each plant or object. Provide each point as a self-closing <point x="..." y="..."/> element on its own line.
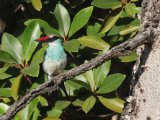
<point x="45" y="38"/>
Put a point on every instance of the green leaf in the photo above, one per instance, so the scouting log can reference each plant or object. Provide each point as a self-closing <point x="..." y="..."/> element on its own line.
<point x="114" y="104"/>
<point x="129" y="29"/>
<point x="110" y="22"/>
<point x="16" y="86"/>
<point x="5" y="92"/>
<point x="63" y="19"/>
<point x="39" y="56"/>
<point x="130" y="9"/>
<point x="77" y="102"/>
<point x="70" y="90"/>
<point x="105" y="4"/>
<point x="93" y="30"/>
<point x="37" y="4"/>
<point x="71" y="46"/>
<point x="4" y="76"/>
<point x="3" y="108"/>
<point x="88" y="104"/>
<point x="11" y="45"/>
<point x="43" y="101"/>
<point x="43" y="24"/>
<point x="32" y="70"/>
<point x="62" y="104"/>
<point x="56" y="113"/>
<point x="90" y="79"/>
<point x="129" y="58"/>
<point x="101" y="72"/>
<point x="80" y="19"/>
<point x="94" y="42"/>
<point x="77" y="84"/>
<point x="111" y="83"/>
<point x="36" y="114"/>
<point x="30" y="34"/>
<point x="6" y="57"/>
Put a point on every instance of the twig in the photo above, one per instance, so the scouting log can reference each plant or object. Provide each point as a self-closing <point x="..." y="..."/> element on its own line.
<point x="117" y="51"/>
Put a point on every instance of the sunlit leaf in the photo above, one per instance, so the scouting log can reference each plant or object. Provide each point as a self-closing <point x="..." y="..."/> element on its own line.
<point x="112" y="82"/>
<point x="77" y="102"/>
<point x="129" y="58"/>
<point x="110" y="22"/>
<point x="11" y="45"/>
<point x="43" y="101"/>
<point x="101" y="72"/>
<point x="128" y="30"/>
<point x="16" y="86"/>
<point x="32" y="70"/>
<point x="63" y="19"/>
<point x="93" y="30"/>
<point x="114" y="104"/>
<point x="94" y="42"/>
<point x="71" y="46"/>
<point x="37" y="4"/>
<point x="55" y="113"/>
<point x="3" y="108"/>
<point x="43" y="24"/>
<point x="30" y="34"/>
<point x="80" y="19"/>
<point x="5" y="92"/>
<point x="6" y="57"/>
<point x="62" y="104"/>
<point x="4" y="76"/>
<point x="105" y="4"/>
<point x="130" y="9"/>
<point x="88" y="104"/>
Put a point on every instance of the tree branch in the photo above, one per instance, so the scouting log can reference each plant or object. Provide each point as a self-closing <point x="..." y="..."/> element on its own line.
<point x="117" y="51"/>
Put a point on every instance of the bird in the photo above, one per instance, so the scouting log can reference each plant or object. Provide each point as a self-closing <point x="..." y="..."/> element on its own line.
<point x="55" y="58"/>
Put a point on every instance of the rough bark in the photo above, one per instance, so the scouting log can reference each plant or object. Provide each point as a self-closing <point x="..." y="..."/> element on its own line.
<point x="144" y="102"/>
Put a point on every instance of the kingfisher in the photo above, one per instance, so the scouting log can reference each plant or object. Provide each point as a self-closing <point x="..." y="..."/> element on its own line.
<point x="55" y="58"/>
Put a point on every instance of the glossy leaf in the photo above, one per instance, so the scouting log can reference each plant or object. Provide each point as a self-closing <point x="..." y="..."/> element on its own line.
<point x="4" y="75"/>
<point x="110" y="22"/>
<point x="70" y="90"/>
<point x="55" y="113"/>
<point x="128" y="30"/>
<point x="130" y="9"/>
<point x="111" y="83"/>
<point x="77" y="84"/>
<point x="93" y="30"/>
<point x="88" y="104"/>
<point x="37" y="4"/>
<point x="39" y="56"/>
<point x="80" y="19"/>
<point x="16" y="86"/>
<point x="43" y="24"/>
<point x="11" y="45"/>
<point x="77" y="102"/>
<point x="90" y="79"/>
<point x="94" y="42"/>
<point x="6" y="57"/>
<point x="62" y="104"/>
<point x="105" y="4"/>
<point x="114" y="104"/>
<point x="42" y="100"/>
<point x="63" y="19"/>
<point x="101" y="72"/>
<point x="129" y="58"/>
<point x="5" y="92"/>
<point x="3" y="108"/>
<point x="32" y="70"/>
<point x="71" y="46"/>
<point x="30" y="34"/>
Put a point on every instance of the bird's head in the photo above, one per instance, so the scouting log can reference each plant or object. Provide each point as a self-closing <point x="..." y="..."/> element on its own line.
<point x="50" y="39"/>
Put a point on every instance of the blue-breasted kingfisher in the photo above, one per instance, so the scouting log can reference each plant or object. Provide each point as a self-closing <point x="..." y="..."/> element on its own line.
<point x="55" y="58"/>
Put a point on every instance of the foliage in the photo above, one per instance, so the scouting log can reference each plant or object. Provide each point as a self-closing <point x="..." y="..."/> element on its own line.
<point x="82" y="32"/>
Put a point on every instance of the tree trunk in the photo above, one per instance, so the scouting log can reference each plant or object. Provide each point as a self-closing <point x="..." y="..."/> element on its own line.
<point x="144" y="102"/>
